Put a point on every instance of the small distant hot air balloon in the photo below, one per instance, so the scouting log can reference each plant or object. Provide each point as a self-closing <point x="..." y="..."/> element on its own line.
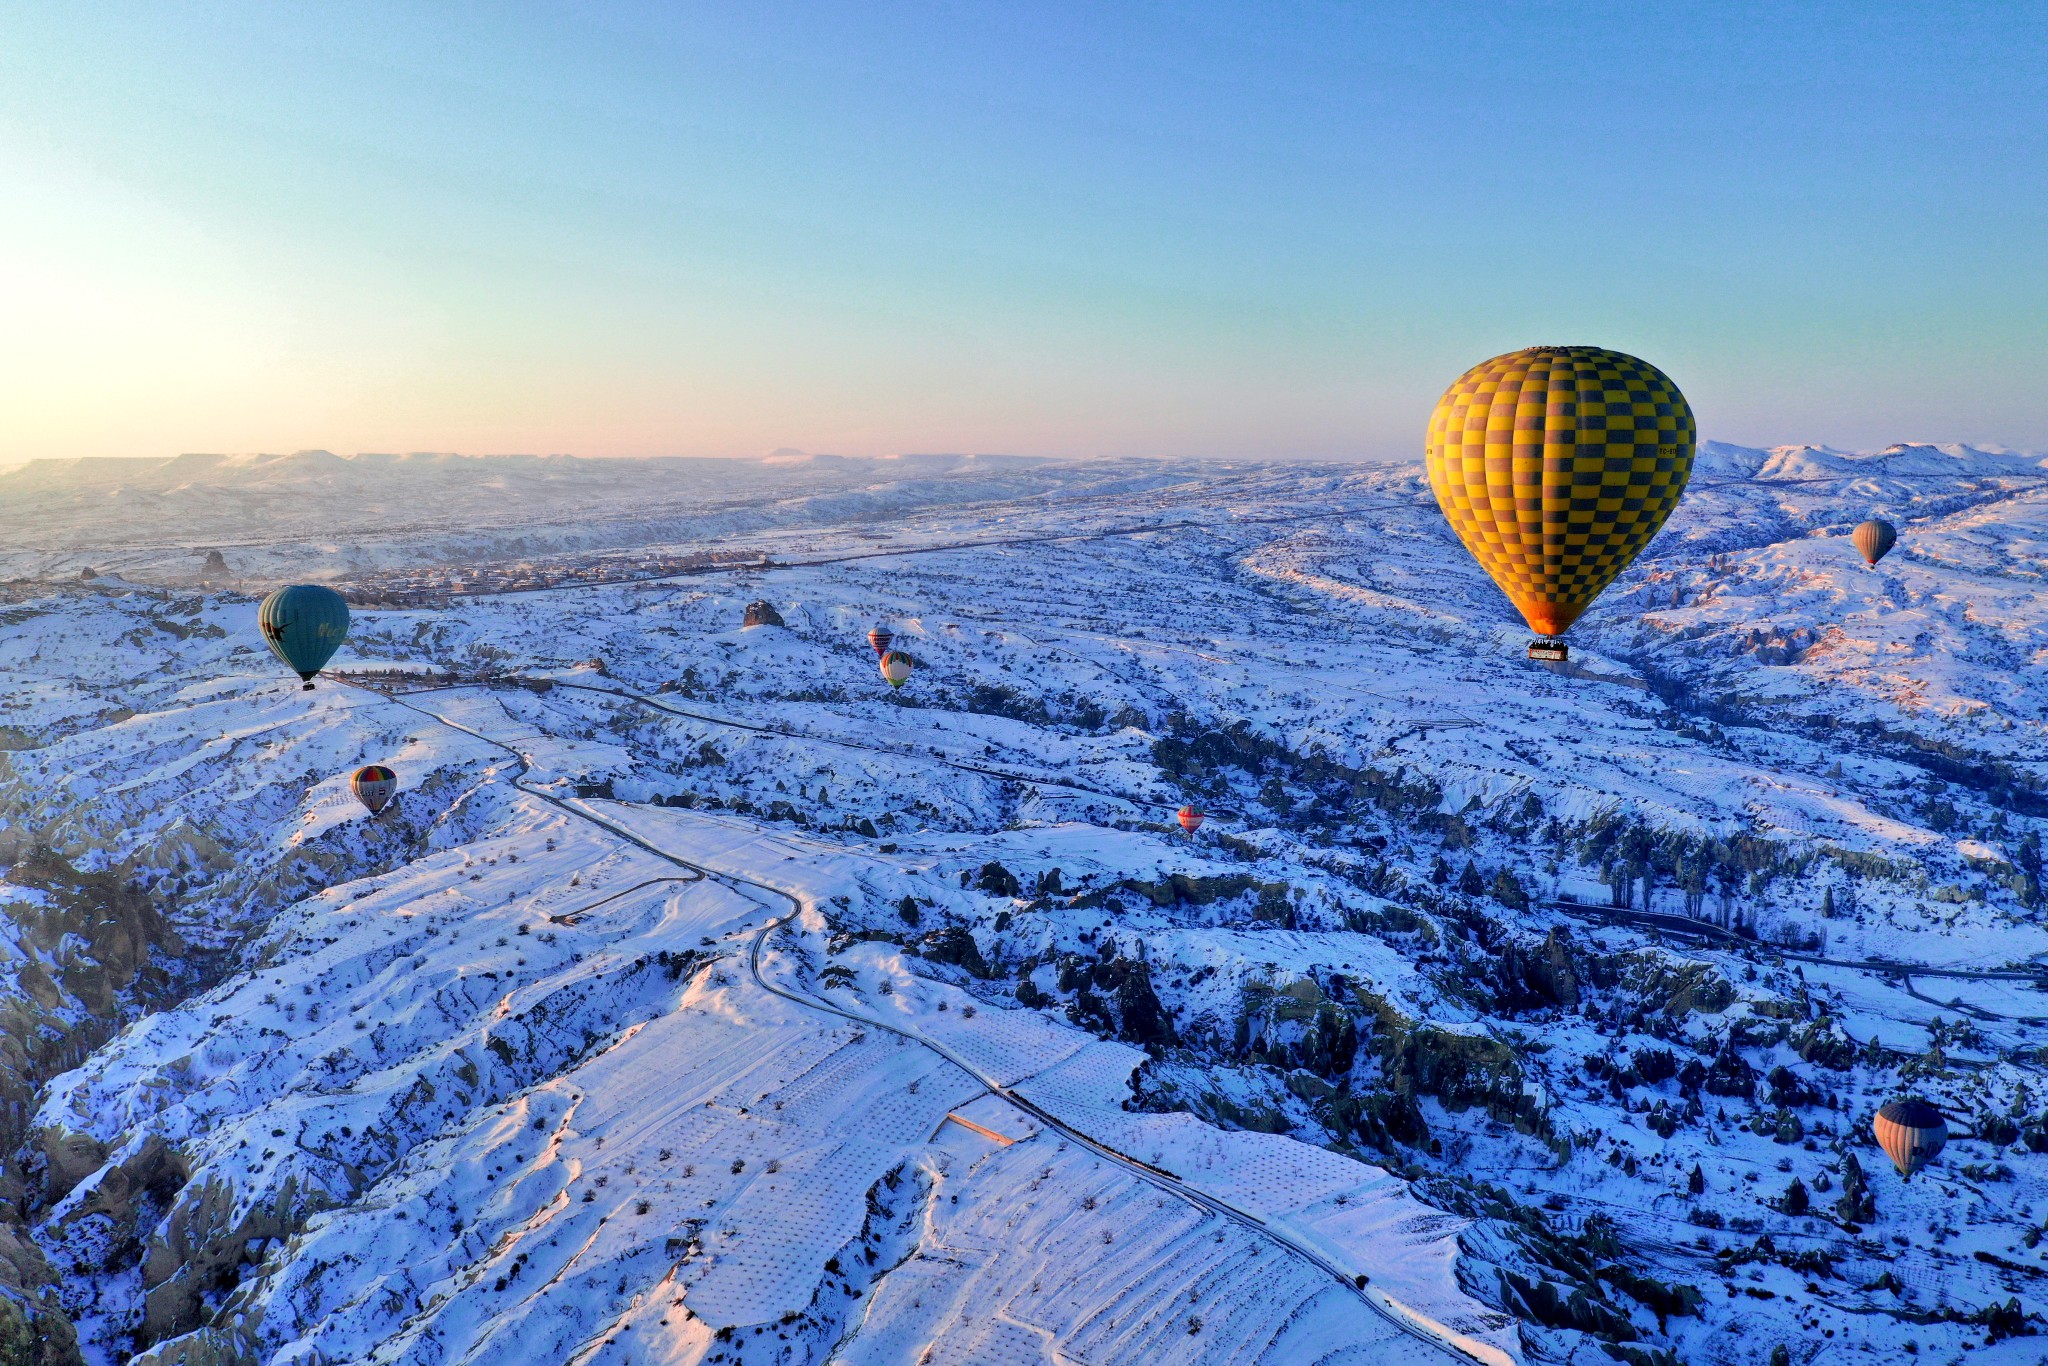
<point x="1191" y="819"/>
<point x="303" y="625"/>
<point x="1911" y="1132"/>
<point x="1555" y="465"/>
<point x="896" y="668"/>
<point x="374" y="786"/>
<point x="1874" y="538"/>
<point x="880" y="638"/>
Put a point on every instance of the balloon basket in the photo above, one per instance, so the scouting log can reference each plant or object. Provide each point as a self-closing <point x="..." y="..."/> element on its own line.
<point x="1553" y="651"/>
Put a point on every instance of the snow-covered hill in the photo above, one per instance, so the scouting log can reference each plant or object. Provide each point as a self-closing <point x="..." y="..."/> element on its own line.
<point x="702" y="999"/>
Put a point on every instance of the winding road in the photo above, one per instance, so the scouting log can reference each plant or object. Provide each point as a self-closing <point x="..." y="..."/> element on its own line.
<point x="1701" y="929"/>
<point x="911" y="752"/>
<point x="1438" y="1341"/>
<point x="1884" y="967"/>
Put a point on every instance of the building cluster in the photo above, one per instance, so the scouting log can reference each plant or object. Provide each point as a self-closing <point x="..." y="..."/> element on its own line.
<point x="433" y="585"/>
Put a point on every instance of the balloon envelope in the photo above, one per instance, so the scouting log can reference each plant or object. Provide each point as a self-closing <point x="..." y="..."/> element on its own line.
<point x="879" y="638"/>
<point x="303" y="625"/>
<point x="1874" y="538"/>
<point x="1911" y="1132"/>
<point x="896" y="668"/>
<point x="374" y="786"/>
<point x="1555" y="465"/>
<point x="1191" y="819"/>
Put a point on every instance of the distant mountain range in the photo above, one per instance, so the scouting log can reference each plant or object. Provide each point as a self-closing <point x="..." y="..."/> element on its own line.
<point x="322" y="515"/>
<point x="152" y="517"/>
<point x="1948" y="460"/>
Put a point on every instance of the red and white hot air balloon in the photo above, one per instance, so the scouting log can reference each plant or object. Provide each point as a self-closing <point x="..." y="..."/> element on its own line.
<point x="374" y="786"/>
<point x="1911" y="1132"/>
<point x="881" y="638"/>
<point x="1191" y="819"/>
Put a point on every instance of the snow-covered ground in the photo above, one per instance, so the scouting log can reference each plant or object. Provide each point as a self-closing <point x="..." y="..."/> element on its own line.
<point x="702" y="999"/>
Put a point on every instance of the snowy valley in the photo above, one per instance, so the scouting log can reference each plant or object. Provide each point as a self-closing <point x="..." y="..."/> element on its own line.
<point x="702" y="999"/>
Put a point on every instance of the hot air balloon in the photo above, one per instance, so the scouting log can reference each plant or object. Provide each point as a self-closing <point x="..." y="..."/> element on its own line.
<point x="1874" y="538"/>
<point x="896" y="668"/>
<point x="1555" y="465"/>
<point x="1911" y="1132"/>
<point x="303" y="625"/>
<point x="880" y="638"/>
<point x="374" y="786"/>
<point x="1191" y="819"/>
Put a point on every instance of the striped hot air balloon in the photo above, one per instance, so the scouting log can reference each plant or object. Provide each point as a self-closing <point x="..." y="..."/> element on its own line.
<point x="374" y="786"/>
<point x="1874" y="538"/>
<point x="896" y="668"/>
<point x="1191" y="819"/>
<point x="880" y="638"/>
<point x="1555" y="465"/>
<point x="1911" y="1132"/>
<point x="304" y="625"/>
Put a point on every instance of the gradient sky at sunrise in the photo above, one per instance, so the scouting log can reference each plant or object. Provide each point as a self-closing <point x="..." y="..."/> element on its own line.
<point x="1259" y="229"/>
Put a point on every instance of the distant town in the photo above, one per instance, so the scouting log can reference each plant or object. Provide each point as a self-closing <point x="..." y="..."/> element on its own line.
<point x="431" y="586"/>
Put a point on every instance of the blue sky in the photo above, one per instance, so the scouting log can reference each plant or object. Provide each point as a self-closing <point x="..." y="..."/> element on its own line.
<point x="1253" y="229"/>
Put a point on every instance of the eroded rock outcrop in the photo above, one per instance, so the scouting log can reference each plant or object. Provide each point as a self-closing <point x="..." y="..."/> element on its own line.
<point x="203" y="1245"/>
<point x="33" y="1328"/>
<point x="1539" y="975"/>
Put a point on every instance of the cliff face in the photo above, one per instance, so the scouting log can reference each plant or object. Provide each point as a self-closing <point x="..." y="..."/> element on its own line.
<point x="139" y="852"/>
<point x="90" y="950"/>
<point x="34" y="1330"/>
<point x="92" y="946"/>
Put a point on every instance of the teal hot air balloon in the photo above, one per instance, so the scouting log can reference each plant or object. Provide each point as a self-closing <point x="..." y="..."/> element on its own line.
<point x="303" y="625"/>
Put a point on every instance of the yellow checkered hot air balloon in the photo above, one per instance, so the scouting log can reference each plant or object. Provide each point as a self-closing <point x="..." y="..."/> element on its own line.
<point x="1556" y="465"/>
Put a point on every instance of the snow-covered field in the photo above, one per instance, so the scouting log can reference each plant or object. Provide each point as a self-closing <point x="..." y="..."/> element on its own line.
<point x="701" y="999"/>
